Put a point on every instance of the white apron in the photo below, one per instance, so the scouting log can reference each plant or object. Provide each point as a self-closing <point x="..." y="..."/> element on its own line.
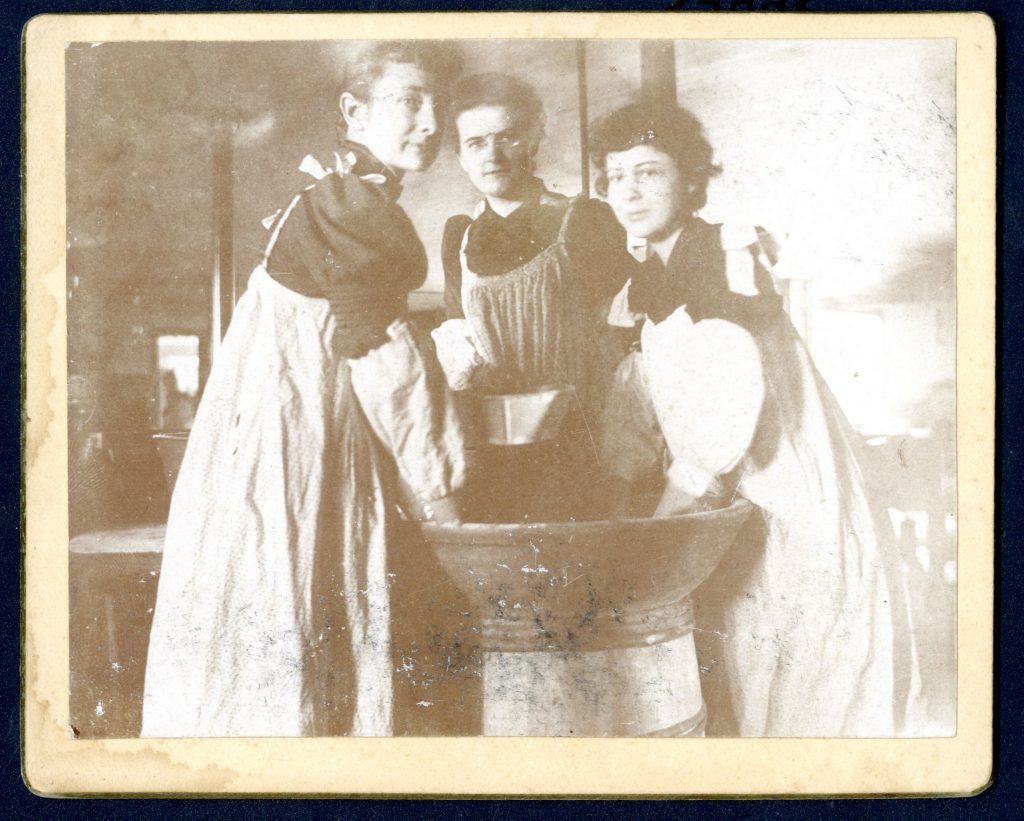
<point x="803" y="630"/>
<point x="806" y="631"/>
<point x="272" y="616"/>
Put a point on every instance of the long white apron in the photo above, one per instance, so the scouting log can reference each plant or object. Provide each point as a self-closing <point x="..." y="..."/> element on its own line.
<point x="808" y="635"/>
<point x="275" y="542"/>
<point x="803" y="629"/>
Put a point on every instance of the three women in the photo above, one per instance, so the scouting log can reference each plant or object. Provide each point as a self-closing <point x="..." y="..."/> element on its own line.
<point x="273" y="615"/>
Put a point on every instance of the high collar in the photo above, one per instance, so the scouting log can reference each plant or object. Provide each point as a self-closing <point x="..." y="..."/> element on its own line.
<point x="694" y="236"/>
<point x="693" y="275"/>
<point x="496" y="244"/>
<point x="534" y="192"/>
<point x="367" y="165"/>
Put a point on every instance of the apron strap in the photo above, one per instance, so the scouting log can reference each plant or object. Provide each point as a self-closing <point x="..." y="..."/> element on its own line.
<point x="277" y="228"/>
<point x="562" y="231"/>
<point x="309" y="165"/>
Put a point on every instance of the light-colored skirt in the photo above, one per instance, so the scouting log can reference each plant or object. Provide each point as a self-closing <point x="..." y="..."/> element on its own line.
<point x="803" y="630"/>
<point x="273" y="616"/>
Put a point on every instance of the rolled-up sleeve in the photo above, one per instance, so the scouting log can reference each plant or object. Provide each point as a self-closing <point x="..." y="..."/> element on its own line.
<point x="403" y="394"/>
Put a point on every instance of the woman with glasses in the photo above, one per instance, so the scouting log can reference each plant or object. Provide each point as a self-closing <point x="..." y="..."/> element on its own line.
<point x="802" y="629"/>
<point x="526" y="277"/>
<point x="273" y="611"/>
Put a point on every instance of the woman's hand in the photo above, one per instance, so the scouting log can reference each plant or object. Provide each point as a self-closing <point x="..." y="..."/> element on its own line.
<point x="719" y="494"/>
<point x="674" y="500"/>
<point x="446" y="510"/>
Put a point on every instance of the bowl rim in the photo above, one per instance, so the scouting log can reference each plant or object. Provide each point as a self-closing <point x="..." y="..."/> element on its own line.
<point x="466" y="532"/>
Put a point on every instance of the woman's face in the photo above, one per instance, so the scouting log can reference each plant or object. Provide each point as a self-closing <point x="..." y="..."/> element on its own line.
<point x="402" y="120"/>
<point x="494" y="150"/>
<point x="646" y="191"/>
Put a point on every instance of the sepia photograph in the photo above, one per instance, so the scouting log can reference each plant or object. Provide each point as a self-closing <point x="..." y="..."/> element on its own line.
<point x="556" y="387"/>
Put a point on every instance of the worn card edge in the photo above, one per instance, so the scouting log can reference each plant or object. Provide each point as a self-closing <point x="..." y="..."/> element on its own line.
<point x="54" y="763"/>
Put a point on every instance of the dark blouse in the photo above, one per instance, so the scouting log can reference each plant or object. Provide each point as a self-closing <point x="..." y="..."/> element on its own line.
<point x="695" y="276"/>
<point x="348" y="241"/>
<point x="595" y="243"/>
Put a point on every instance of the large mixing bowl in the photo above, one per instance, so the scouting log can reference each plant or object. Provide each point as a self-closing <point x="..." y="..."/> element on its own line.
<point x="585" y="585"/>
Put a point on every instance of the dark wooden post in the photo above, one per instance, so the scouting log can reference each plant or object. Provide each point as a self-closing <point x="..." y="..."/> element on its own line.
<point x="658" y="71"/>
<point x="581" y="80"/>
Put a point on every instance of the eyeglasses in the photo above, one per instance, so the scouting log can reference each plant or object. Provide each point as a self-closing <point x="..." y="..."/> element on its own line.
<point x="411" y="102"/>
<point x="502" y="140"/>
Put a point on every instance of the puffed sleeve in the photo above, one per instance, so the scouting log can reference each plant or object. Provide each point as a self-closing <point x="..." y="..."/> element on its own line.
<point x="707" y="388"/>
<point x="451" y="243"/>
<point x="596" y="245"/>
<point x="353" y="245"/>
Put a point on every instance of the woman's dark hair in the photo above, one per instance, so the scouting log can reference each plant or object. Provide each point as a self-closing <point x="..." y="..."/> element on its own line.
<point x="492" y="88"/>
<point x="668" y="127"/>
<point x="441" y="59"/>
